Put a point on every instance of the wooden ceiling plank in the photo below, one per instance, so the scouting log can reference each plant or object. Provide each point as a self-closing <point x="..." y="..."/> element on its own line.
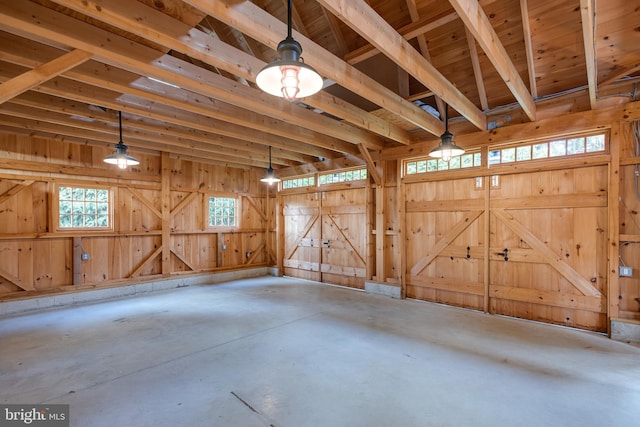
<point x="424" y="49"/>
<point x="41" y="23"/>
<point x="135" y="129"/>
<point x="255" y="22"/>
<point x="149" y="23"/>
<point x="528" y="43"/>
<point x="334" y="27"/>
<point x="363" y="19"/>
<point x="478" y="24"/>
<point x="477" y="70"/>
<point x="408" y="32"/>
<point x="260" y="129"/>
<point x="587" y="11"/>
<point x="107" y="140"/>
<point x="42" y="73"/>
<point x="624" y="73"/>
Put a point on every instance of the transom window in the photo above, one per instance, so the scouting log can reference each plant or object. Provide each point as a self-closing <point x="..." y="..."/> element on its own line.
<point x="561" y="147"/>
<point x="427" y="164"/>
<point x="345" y="176"/>
<point x="222" y="212"/>
<point x="305" y="181"/>
<point x="81" y="207"/>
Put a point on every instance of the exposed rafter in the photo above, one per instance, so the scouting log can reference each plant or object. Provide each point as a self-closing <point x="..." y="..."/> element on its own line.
<point x="588" y="32"/>
<point x="478" y="24"/>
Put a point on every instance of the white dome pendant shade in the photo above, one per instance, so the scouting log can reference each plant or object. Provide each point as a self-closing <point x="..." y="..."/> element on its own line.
<point x="120" y="157"/>
<point x="289" y="77"/>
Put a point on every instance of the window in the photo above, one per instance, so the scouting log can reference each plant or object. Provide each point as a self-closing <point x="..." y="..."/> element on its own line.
<point x="81" y="207"/>
<point x="345" y="176"/>
<point x="222" y="212"/>
<point x="423" y="165"/>
<point x="306" y="181"/>
<point x="548" y="149"/>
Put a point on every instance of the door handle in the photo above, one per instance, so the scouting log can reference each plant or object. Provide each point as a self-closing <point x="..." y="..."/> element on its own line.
<point x="505" y="254"/>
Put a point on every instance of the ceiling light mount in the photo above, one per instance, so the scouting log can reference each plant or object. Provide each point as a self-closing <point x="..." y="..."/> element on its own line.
<point x="120" y="157"/>
<point x="447" y="148"/>
<point x="289" y="77"/>
<point x="270" y="177"/>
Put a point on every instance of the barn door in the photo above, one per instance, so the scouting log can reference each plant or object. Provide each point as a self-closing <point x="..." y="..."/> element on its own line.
<point x="548" y="246"/>
<point x="445" y="223"/>
<point x="302" y="236"/>
<point x="344" y="230"/>
<point x="325" y="236"/>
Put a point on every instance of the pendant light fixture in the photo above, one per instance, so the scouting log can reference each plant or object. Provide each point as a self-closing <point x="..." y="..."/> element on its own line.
<point x="120" y="157"/>
<point x="289" y="77"/>
<point x="447" y="148"/>
<point x="270" y="177"/>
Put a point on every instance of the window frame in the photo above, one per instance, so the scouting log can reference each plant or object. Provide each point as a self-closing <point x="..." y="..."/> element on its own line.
<point x="56" y="214"/>
<point x="237" y="207"/>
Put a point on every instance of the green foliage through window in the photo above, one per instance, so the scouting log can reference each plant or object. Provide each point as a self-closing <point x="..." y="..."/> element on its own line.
<point x="336" y="177"/>
<point x="222" y="212"/>
<point x="307" y="181"/>
<point x="544" y="150"/>
<point x="83" y="207"/>
<point x="467" y="160"/>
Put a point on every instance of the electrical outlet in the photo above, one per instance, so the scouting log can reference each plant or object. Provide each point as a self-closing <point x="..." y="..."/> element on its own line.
<point x="85" y="256"/>
<point x="626" y="272"/>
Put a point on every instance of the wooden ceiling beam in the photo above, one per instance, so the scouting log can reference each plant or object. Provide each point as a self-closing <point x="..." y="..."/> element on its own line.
<point x="108" y="140"/>
<point x="39" y="23"/>
<point x="408" y="32"/>
<point x="477" y="70"/>
<point x="528" y="44"/>
<point x="587" y="11"/>
<point x="363" y="19"/>
<point x="160" y="28"/>
<point x="424" y="49"/>
<point x="42" y="73"/>
<point x="77" y="117"/>
<point x="255" y="22"/>
<point x="478" y="24"/>
<point x="105" y="84"/>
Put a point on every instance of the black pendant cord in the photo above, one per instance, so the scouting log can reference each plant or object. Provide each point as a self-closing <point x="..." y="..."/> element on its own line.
<point x="120" y="120"/>
<point x="446" y="118"/>
<point x="289" y="19"/>
<point x="270" y="157"/>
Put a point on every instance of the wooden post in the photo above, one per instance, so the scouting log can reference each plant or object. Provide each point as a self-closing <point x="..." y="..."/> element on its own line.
<point x="402" y="224"/>
<point x="381" y="274"/>
<point x="166" y="214"/>
<point x="613" y="290"/>
<point x="280" y="233"/>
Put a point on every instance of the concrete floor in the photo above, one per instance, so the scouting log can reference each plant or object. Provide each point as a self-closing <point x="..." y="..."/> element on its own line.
<point x="281" y="352"/>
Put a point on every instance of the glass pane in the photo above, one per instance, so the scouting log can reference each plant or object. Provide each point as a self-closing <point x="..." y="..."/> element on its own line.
<point x="477" y="159"/>
<point x="575" y="146"/>
<point x="540" y="151"/>
<point x="454" y="163"/>
<point x="422" y="166"/>
<point x="558" y="148"/>
<point x="77" y="221"/>
<point x="412" y="168"/>
<point x="363" y="173"/>
<point x="467" y="160"/>
<point x="595" y="143"/>
<point x="349" y="176"/>
<point x="432" y="165"/>
<point x="103" y="221"/>
<point x="65" y="193"/>
<point x="91" y="208"/>
<point x="442" y="165"/>
<point x="494" y="157"/>
<point x="523" y="153"/>
<point x="323" y="179"/>
<point x="65" y="220"/>
<point x="508" y="155"/>
<point x="312" y="181"/>
<point x="78" y="194"/>
<point x="103" y="195"/>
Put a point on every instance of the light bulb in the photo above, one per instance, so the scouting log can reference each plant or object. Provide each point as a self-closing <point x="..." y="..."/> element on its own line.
<point x="290" y="82"/>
